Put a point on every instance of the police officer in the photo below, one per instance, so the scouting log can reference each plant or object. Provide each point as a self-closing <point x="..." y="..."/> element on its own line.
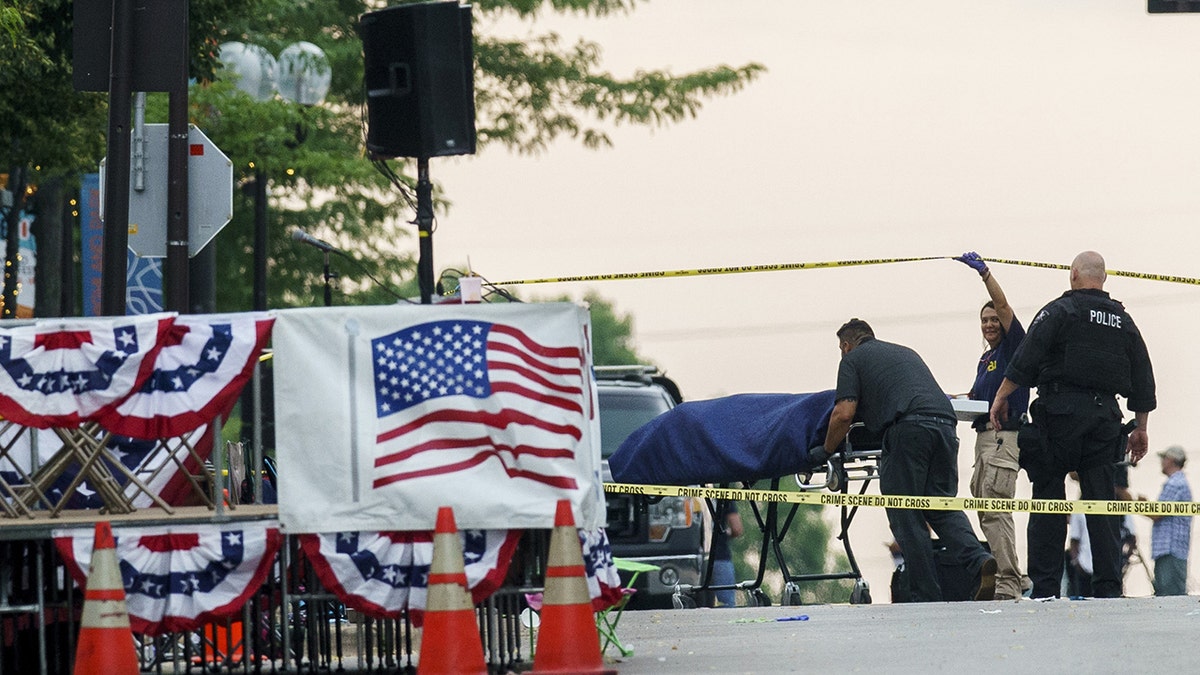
<point x="1081" y="351"/>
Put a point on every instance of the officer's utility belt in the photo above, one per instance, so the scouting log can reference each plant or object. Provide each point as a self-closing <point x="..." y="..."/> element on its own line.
<point x="1067" y="388"/>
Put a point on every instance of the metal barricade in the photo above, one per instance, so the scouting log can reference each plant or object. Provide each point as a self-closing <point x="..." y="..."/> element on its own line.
<point x="290" y="624"/>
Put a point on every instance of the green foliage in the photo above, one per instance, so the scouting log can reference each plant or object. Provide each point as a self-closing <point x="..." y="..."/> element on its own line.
<point x="11" y="22"/>
<point x="44" y="122"/>
<point x="531" y="9"/>
<point x="527" y="95"/>
<point x="612" y="333"/>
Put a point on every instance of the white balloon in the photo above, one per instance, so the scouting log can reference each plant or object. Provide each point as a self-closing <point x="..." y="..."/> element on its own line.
<point x="304" y="74"/>
<point x="252" y="66"/>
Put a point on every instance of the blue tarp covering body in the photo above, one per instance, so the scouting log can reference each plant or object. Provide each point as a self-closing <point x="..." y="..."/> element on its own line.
<point x="745" y="437"/>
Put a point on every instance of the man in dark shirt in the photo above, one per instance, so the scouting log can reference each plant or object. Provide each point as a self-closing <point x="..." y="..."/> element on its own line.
<point x="891" y="391"/>
<point x="1081" y="351"/>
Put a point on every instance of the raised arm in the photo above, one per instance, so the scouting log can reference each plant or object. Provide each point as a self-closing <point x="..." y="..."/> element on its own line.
<point x="1003" y="310"/>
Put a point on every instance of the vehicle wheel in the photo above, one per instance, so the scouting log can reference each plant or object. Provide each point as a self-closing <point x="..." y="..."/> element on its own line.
<point x="759" y="598"/>
<point x="861" y="595"/>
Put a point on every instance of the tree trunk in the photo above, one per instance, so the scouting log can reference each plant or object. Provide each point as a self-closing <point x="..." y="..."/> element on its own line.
<point x="48" y="234"/>
<point x="16" y="185"/>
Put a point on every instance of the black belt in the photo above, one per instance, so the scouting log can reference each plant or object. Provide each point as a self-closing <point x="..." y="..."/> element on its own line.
<point x="936" y="419"/>
<point x="1066" y="388"/>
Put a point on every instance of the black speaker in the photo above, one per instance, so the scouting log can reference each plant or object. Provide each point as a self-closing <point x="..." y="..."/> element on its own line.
<point x="420" y="80"/>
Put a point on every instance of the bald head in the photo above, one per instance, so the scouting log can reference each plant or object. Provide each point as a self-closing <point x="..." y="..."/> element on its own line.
<point x="1087" y="271"/>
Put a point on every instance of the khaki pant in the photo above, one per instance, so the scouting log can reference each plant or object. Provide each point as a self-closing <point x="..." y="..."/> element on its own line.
<point x="995" y="476"/>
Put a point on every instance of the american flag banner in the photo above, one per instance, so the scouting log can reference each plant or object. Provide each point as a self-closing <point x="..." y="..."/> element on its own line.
<point x="179" y="577"/>
<point x="58" y="373"/>
<point x="387" y="413"/>
<point x="384" y="574"/>
<point x="450" y="395"/>
<point x="204" y="363"/>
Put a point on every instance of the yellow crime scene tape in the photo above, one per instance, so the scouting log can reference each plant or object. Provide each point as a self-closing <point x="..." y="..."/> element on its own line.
<point x="1064" y="506"/>
<point x="1113" y="507"/>
<point x="789" y="267"/>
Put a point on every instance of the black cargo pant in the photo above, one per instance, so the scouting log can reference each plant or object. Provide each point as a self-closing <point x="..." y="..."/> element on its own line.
<point x="1081" y="432"/>
<point x="921" y="459"/>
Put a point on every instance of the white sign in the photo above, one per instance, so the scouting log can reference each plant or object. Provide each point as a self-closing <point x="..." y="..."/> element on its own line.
<point x="484" y="408"/>
<point x="210" y="192"/>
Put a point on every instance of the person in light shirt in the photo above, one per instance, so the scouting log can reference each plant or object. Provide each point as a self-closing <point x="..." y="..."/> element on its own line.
<point x="1171" y="536"/>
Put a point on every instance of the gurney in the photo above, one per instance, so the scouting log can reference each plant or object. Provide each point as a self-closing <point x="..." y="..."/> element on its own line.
<point x="739" y="440"/>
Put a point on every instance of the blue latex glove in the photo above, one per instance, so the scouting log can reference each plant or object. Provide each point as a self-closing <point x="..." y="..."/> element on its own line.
<point x="971" y="259"/>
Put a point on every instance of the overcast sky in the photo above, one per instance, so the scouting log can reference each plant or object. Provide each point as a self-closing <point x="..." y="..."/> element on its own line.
<point x="1021" y="129"/>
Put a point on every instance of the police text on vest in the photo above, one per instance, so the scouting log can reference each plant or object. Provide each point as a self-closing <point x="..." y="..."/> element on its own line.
<point x="1105" y="318"/>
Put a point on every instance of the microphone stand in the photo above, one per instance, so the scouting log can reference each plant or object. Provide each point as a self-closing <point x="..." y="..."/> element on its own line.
<point x="329" y="275"/>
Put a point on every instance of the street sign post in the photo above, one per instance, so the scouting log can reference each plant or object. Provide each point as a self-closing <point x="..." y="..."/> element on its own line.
<point x="210" y="193"/>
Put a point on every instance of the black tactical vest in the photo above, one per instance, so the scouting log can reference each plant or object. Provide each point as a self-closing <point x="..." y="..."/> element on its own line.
<point x="1096" y="341"/>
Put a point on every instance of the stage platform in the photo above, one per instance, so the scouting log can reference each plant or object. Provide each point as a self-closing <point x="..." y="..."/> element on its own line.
<point x="40" y="525"/>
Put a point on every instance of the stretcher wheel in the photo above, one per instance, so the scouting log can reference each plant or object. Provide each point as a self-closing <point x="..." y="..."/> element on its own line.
<point x="861" y="595"/>
<point x="759" y="599"/>
<point x="681" y="600"/>
<point x="791" y="594"/>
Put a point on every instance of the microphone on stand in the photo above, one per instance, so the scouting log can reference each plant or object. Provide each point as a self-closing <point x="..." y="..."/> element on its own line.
<point x="302" y="236"/>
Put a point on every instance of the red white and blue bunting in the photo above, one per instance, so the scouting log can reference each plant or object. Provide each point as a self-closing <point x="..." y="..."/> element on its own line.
<point x="383" y="574"/>
<point x="603" y="579"/>
<point x="203" y="365"/>
<point x="147" y="377"/>
<point x="59" y="373"/>
<point x="179" y="577"/>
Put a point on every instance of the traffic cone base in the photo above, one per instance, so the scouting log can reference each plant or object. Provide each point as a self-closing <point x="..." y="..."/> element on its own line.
<point x="450" y="643"/>
<point x="568" y="641"/>
<point x="105" y="639"/>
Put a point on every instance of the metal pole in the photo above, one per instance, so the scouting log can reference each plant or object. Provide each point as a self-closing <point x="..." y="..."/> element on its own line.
<point x="116" y="181"/>
<point x="260" y="239"/>
<point x="201" y="278"/>
<point x="329" y="275"/>
<point x="218" y="462"/>
<point x="175" y="296"/>
<point x="40" y="580"/>
<point x="256" y="451"/>
<point x="425" y="231"/>
<point x="285" y="601"/>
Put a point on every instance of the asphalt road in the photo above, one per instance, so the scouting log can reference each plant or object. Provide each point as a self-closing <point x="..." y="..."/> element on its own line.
<point x="1127" y="635"/>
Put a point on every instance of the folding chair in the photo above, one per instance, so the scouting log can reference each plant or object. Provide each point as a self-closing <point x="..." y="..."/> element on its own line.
<point x="607" y="620"/>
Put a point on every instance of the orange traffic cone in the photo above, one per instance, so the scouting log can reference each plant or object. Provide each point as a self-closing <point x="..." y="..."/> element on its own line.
<point x="450" y="641"/>
<point x="568" y="641"/>
<point x="105" y="640"/>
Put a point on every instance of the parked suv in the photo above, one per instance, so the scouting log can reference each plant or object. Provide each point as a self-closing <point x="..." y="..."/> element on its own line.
<point x="664" y="531"/>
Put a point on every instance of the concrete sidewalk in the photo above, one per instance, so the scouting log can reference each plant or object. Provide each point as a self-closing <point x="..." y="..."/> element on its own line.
<point x="1127" y="635"/>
